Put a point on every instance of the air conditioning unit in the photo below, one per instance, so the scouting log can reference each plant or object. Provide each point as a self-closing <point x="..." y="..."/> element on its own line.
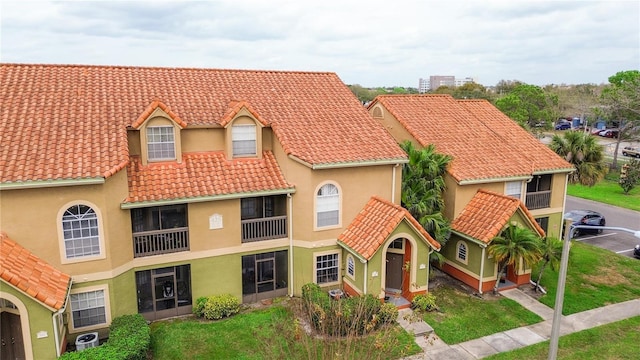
<point x="88" y="340"/>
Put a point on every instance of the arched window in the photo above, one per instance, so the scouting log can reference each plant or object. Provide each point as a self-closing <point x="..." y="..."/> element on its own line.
<point x="80" y="231"/>
<point x="327" y="206"/>
<point x="462" y="252"/>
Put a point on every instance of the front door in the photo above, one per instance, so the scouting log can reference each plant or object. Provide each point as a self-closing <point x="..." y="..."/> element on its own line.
<point x="12" y="347"/>
<point x="394" y="271"/>
<point x="164" y="292"/>
<point x="264" y="276"/>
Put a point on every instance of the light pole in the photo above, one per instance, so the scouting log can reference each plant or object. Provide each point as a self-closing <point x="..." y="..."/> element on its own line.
<point x="562" y="278"/>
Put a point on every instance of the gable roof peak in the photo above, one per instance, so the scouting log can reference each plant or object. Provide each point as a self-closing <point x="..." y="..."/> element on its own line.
<point x="235" y="106"/>
<point x="157" y="104"/>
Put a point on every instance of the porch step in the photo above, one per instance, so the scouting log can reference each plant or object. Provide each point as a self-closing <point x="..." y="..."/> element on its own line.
<point x="412" y="323"/>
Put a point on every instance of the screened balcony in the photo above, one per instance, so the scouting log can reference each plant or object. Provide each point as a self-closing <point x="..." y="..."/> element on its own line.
<point x="539" y="192"/>
<point x="263" y="218"/>
<point x="159" y="230"/>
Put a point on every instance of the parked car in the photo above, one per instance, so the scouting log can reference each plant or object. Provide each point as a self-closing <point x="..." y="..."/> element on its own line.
<point x="586" y="217"/>
<point x="563" y="126"/>
<point x="596" y="131"/>
<point x="631" y="151"/>
<point x="636" y="251"/>
<point x="609" y="133"/>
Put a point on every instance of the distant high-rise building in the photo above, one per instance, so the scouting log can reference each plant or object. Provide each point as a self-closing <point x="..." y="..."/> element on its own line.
<point x="435" y="81"/>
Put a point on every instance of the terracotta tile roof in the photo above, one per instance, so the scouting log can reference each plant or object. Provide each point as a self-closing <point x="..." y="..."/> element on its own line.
<point x="373" y="224"/>
<point x="151" y="108"/>
<point x="488" y="213"/>
<point x="484" y="143"/>
<point x="70" y="121"/>
<point x="202" y="174"/>
<point x="235" y="107"/>
<point x="31" y="275"/>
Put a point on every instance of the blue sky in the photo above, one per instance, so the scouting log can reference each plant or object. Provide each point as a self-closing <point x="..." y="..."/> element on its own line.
<point x="371" y="43"/>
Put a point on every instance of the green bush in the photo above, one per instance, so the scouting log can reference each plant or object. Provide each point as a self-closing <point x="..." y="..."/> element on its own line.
<point x="388" y="313"/>
<point x="220" y="306"/>
<point x="129" y="339"/>
<point x="198" y="308"/>
<point x="424" y="302"/>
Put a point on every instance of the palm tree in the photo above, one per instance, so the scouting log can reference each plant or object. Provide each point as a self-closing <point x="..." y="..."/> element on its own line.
<point x="513" y="244"/>
<point x="551" y="252"/>
<point x="584" y="153"/>
<point x="422" y="187"/>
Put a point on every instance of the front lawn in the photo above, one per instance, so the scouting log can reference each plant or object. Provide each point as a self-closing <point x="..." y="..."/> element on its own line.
<point x="463" y="317"/>
<point x="608" y="191"/>
<point x="595" y="277"/>
<point x="272" y="333"/>
<point x="613" y="341"/>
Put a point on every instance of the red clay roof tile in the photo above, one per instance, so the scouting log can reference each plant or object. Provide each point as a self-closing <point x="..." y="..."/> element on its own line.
<point x="202" y="174"/>
<point x="373" y="225"/>
<point x="488" y="213"/>
<point x="24" y="270"/>
<point x="70" y="121"/>
<point x="484" y="143"/>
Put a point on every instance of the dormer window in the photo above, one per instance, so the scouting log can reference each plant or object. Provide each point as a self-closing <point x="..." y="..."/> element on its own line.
<point x="243" y="138"/>
<point x="161" y="143"/>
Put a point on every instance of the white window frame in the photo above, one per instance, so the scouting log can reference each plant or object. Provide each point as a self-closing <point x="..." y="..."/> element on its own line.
<point x="323" y="257"/>
<point x="328" y="199"/>
<point x="513" y="189"/>
<point x="101" y="301"/>
<point x="93" y="233"/>
<point x="163" y="137"/>
<point x="244" y="140"/>
<point x="351" y="267"/>
<point x="465" y="257"/>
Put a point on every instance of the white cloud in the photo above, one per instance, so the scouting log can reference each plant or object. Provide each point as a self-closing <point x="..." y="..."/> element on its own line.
<point x="375" y="43"/>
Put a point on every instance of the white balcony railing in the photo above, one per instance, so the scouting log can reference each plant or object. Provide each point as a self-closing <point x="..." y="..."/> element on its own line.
<point x="538" y="200"/>
<point x="158" y="242"/>
<point x="264" y="228"/>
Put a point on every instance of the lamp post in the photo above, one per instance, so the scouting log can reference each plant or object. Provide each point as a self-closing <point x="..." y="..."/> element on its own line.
<point x="562" y="278"/>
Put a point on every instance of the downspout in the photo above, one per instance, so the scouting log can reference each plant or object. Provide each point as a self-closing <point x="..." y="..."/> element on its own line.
<point x="393" y="183"/>
<point x="290" y="244"/>
<point x="56" y="332"/>
<point x="366" y="277"/>
<point x="481" y="269"/>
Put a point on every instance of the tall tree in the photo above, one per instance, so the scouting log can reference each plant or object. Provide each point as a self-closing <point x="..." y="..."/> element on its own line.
<point x="584" y="153"/>
<point x="551" y="253"/>
<point x="529" y="105"/>
<point x="513" y="244"/>
<point x="422" y="187"/>
<point x="472" y="91"/>
<point x="621" y="102"/>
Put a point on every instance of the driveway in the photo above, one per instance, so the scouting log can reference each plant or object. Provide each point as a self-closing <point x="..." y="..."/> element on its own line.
<point x="617" y="241"/>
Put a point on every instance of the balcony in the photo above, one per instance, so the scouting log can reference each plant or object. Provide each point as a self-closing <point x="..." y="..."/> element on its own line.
<point x="259" y="229"/>
<point x="538" y="200"/>
<point x="158" y="242"/>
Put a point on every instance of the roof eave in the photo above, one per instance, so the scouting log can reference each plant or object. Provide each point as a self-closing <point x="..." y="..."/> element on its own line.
<point x="348" y="164"/>
<point x="495" y="179"/>
<point x="467" y="237"/>
<point x="33" y="184"/>
<point x="141" y="204"/>
<point x="352" y="251"/>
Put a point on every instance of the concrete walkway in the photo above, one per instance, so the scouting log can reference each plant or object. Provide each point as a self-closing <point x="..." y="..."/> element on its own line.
<point x="435" y="348"/>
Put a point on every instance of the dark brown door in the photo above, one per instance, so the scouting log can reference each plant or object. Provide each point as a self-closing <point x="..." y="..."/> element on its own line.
<point x="12" y="347"/>
<point x="394" y="271"/>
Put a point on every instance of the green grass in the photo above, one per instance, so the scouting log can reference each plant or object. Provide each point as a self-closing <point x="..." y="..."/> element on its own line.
<point x="613" y="341"/>
<point x="272" y="333"/>
<point x="463" y="317"/>
<point x="608" y="191"/>
<point x="595" y="277"/>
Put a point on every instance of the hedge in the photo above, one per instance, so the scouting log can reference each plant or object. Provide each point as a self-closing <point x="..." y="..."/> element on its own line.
<point x="129" y="339"/>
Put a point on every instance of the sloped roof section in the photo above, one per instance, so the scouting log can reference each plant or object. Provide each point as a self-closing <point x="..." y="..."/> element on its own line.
<point x="151" y="108"/>
<point x="70" y="121"/>
<point x="234" y="109"/>
<point x="373" y="225"/>
<point x="203" y="174"/>
<point x="488" y="213"/>
<point x="31" y="275"/>
<point x="484" y="143"/>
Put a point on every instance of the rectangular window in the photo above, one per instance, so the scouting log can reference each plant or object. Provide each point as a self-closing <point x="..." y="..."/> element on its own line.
<point x="243" y="138"/>
<point x="160" y="143"/>
<point x="543" y="222"/>
<point x="514" y="189"/>
<point x="88" y="308"/>
<point x="328" y="207"/>
<point x="327" y="268"/>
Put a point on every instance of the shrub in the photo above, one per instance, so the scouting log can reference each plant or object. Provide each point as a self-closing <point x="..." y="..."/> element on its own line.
<point x="198" y="308"/>
<point x="424" y="302"/>
<point x="388" y="313"/>
<point x="221" y="306"/>
<point x="129" y="339"/>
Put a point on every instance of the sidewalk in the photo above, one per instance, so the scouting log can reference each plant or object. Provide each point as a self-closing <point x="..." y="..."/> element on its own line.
<point x="435" y="348"/>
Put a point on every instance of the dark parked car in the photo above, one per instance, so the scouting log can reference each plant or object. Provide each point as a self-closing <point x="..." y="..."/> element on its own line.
<point x="610" y="133"/>
<point x="631" y="151"/>
<point x="586" y="217"/>
<point x="636" y="251"/>
<point x="563" y="126"/>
